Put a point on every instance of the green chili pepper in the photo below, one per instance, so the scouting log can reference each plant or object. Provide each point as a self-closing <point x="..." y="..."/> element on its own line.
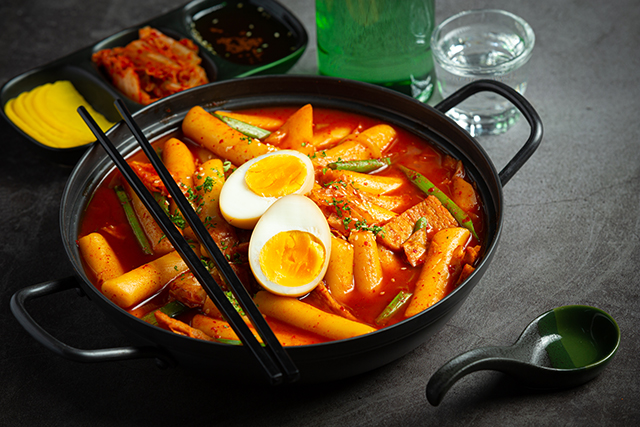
<point x="133" y="220"/>
<point x="244" y="128"/>
<point x="429" y="188"/>
<point x="171" y="309"/>
<point x="360" y="165"/>
<point x="162" y="201"/>
<point x="420" y="224"/>
<point x="394" y="306"/>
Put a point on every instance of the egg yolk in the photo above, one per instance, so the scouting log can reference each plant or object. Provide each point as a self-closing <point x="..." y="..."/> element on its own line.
<point x="292" y="258"/>
<point x="276" y="176"/>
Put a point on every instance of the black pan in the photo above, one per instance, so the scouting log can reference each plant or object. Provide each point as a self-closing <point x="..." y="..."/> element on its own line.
<point x="320" y="362"/>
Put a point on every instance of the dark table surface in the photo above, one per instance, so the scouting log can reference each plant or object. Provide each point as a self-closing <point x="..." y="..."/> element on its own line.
<point x="571" y="236"/>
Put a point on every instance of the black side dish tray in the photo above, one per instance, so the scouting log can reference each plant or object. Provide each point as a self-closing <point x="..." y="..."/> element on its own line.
<point x="96" y="88"/>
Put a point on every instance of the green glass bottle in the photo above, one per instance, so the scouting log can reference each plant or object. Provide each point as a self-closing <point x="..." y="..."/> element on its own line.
<point x="385" y="42"/>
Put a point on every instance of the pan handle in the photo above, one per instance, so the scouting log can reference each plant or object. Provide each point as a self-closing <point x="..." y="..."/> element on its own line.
<point x="525" y="108"/>
<point x="19" y="310"/>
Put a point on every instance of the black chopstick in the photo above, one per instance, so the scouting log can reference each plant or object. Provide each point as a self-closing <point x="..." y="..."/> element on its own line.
<point x="233" y="282"/>
<point x="264" y="354"/>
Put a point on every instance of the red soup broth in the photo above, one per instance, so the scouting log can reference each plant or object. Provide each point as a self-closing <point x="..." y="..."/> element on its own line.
<point x="105" y="215"/>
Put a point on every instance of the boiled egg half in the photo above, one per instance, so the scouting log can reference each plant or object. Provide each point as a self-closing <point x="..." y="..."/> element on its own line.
<point x="259" y="182"/>
<point x="290" y="246"/>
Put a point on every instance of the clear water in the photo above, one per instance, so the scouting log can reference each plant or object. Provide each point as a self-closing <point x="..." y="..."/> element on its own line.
<point x="476" y="52"/>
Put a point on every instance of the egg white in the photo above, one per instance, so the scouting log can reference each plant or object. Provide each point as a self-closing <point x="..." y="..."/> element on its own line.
<point x="241" y="207"/>
<point x="292" y="212"/>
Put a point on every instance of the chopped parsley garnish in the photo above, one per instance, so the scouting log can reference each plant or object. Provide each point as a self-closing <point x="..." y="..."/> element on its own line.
<point x="335" y="184"/>
<point x="375" y="229"/>
<point x="178" y="220"/>
<point x="340" y="205"/>
<point x="207" y="185"/>
<point x="234" y="302"/>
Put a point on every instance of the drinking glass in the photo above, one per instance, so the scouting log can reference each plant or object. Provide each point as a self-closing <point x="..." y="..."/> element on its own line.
<point x="482" y="44"/>
<point x="385" y="42"/>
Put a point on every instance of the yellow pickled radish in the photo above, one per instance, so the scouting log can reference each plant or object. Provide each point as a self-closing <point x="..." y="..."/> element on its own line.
<point x="42" y="108"/>
<point x="33" y="133"/>
<point x="48" y="114"/>
<point x="63" y="101"/>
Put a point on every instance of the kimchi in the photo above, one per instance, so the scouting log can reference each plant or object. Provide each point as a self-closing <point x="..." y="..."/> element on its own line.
<point x="152" y="67"/>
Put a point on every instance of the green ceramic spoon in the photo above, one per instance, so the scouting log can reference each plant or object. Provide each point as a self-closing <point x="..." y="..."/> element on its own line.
<point x="564" y="347"/>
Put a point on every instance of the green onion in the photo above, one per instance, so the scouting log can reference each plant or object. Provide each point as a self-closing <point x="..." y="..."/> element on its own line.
<point x="171" y="309"/>
<point x="244" y="128"/>
<point x="394" y="306"/>
<point x="420" y="224"/>
<point x="162" y="201"/>
<point x="429" y="188"/>
<point x="133" y="220"/>
<point x="228" y="341"/>
<point x="234" y="302"/>
<point x="360" y="165"/>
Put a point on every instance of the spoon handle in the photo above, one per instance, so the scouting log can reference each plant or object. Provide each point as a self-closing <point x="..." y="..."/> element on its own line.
<point x="474" y="360"/>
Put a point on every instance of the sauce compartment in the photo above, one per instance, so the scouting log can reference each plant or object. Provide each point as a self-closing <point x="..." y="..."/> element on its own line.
<point x="242" y="23"/>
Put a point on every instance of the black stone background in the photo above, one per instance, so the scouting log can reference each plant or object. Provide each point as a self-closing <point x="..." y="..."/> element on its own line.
<point x="571" y="236"/>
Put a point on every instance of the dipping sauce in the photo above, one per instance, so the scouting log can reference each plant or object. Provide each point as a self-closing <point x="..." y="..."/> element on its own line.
<point x="242" y="33"/>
